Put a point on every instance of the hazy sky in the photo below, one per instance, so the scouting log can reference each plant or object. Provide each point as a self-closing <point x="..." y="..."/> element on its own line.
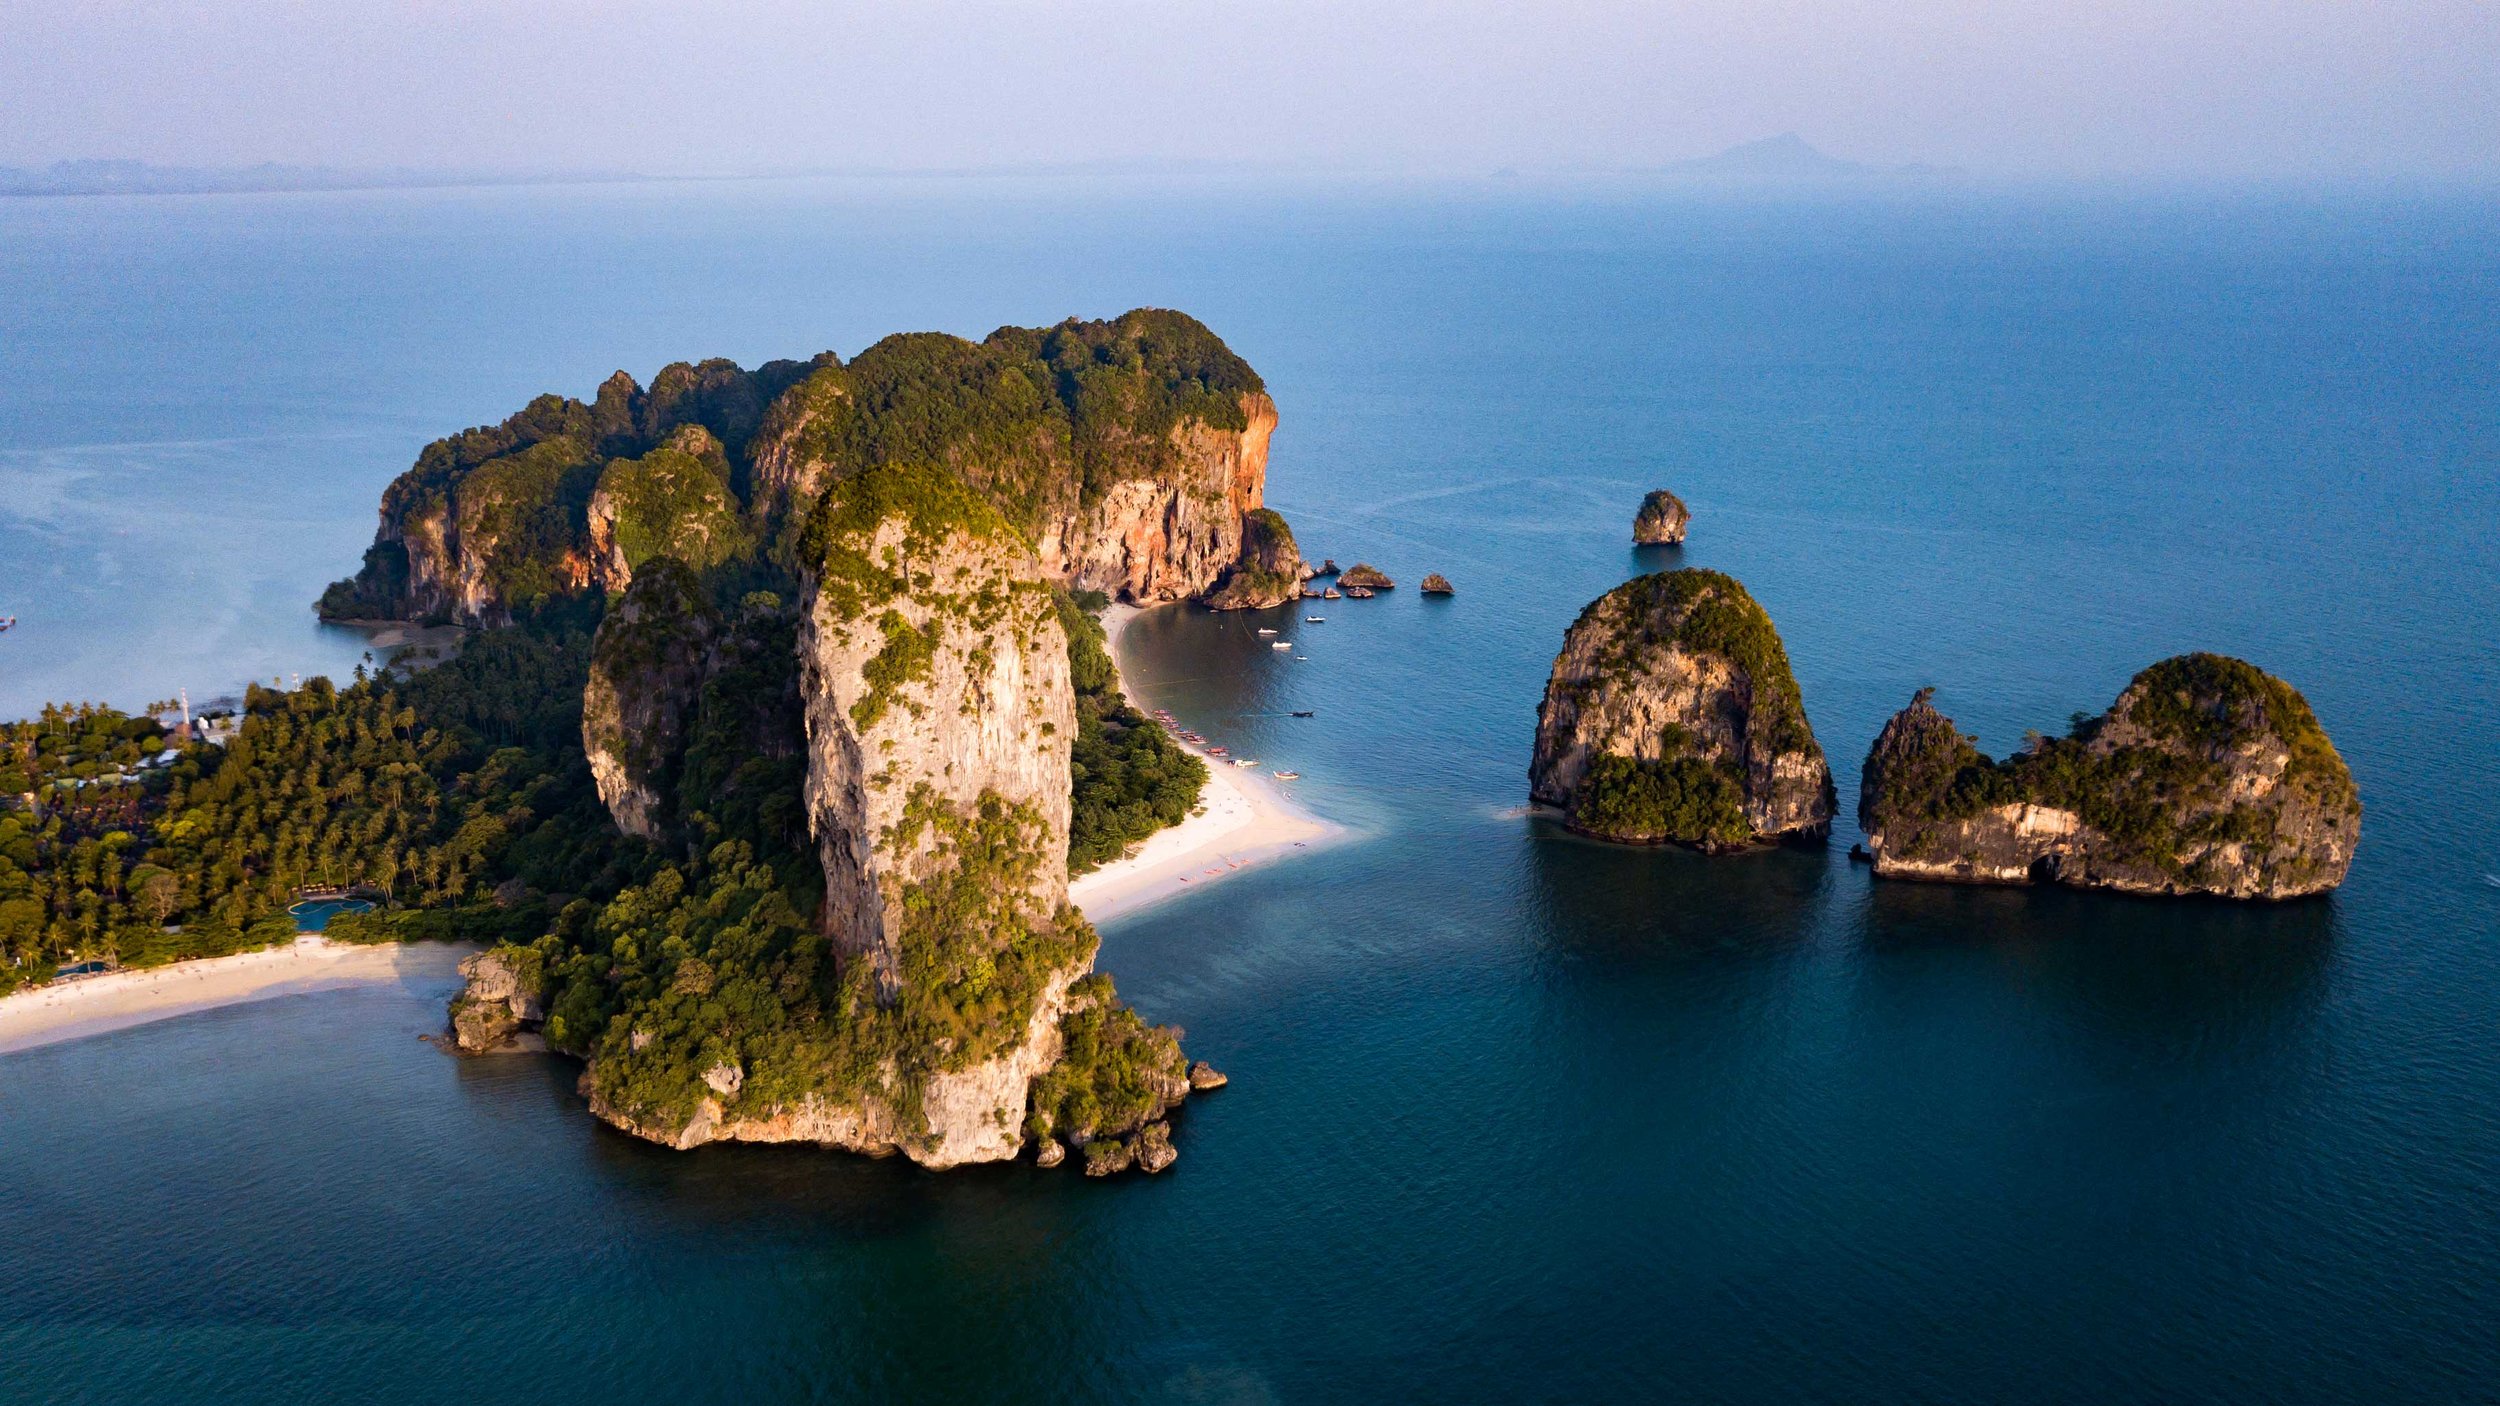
<point x="2220" y="87"/>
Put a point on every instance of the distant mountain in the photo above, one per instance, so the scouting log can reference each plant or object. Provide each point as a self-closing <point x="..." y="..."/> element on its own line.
<point x="141" y="178"/>
<point x="1789" y="157"/>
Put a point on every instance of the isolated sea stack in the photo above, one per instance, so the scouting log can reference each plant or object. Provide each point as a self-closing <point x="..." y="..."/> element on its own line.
<point x="2207" y="776"/>
<point x="1370" y="578"/>
<point x="1438" y="585"/>
<point x="1672" y="717"/>
<point x="1661" y="520"/>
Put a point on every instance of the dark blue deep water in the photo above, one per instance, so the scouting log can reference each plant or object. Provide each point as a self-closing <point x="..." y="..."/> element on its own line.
<point x="1513" y="1116"/>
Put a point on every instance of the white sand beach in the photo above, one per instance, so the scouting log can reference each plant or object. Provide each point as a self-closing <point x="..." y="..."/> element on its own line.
<point x="1242" y="821"/>
<point x="116" y="1000"/>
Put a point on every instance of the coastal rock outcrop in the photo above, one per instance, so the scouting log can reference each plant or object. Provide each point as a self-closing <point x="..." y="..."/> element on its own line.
<point x="1661" y="521"/>
<point x="1437" y="584"/>
<point x="647" y="667"/>
<point x="1672" y="716"/>
<point x="2207" y="776"/>
<point x="1153" y="1148"/>
<point x="1365" y="577"/>
<point x="1270" y="571"/>
<point x="502" y="1001"/>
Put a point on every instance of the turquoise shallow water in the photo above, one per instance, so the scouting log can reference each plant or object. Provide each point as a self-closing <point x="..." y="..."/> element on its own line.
<point x="1513" y="1114"/>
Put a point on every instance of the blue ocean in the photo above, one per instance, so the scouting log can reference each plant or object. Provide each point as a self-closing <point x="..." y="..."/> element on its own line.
<point x="1513" y="1115"/>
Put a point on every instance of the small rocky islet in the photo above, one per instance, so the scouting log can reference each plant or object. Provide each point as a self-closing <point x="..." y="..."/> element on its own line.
<point x="2207" y="776"/>
<point x="1661" y="521"/>
<point x="1671" y="717"/>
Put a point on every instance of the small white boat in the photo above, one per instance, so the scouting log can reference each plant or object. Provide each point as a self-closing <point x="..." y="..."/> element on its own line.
<point x="1282" y="644"/>
<point x="1245" y="761"/>
<point x="1314" y="619"/>
<point x="1302" y="656"/>
<point x="1288" y="776"/>
<point x="1265" y="630"/>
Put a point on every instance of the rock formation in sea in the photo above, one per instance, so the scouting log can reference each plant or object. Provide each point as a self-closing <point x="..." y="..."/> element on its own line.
<point x="1132" y="454"/>
<point x="1437" y="584"/>
<point x="1661" y="521"/>
<point x="1270" y="571"/>
<point x="1370" y="578"/>
<point x="500" y="1002"/>
<point x="647" y="668"/>
<point x="834" y="628"/>
<point x="1672" y="716"/>
<point x="2207" y="776"/>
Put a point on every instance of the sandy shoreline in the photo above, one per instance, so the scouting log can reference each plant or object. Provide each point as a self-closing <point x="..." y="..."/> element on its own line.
<point x="117" y="1000"/>
<point x="1243" y="819"/>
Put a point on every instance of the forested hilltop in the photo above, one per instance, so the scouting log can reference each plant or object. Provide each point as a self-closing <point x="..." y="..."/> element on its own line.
<point x="784" y="719"/>
<point x="1129" y="453"/>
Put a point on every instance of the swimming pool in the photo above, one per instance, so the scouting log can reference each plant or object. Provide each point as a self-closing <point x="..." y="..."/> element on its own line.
<point x="315" y="915"/>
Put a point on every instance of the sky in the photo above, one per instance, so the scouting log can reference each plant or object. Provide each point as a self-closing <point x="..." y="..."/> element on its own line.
<point x="2018" y="88"/>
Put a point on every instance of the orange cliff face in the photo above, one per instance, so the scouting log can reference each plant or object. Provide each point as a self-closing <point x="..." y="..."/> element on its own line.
<point x="1172" y="535"/>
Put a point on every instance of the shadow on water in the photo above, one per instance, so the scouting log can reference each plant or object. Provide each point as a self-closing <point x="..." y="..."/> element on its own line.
<point x="1656" y="557"/>
<point x="1595" y="899"/>
<point x="1655" y="958"/>
<point x="2180" y="974"/>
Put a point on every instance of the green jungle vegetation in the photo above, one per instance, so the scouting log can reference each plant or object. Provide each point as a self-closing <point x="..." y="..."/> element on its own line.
<point x="2157" y="795"/>
<point x="432" y="790"/>
<point x="1682" y="799"/>
<point x="675" y="502"/>
<point x="1700" y="611"/>
<point x="1115" y="1072"/>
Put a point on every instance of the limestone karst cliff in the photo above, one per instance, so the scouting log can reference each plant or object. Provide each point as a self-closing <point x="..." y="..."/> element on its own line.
<point x="2207" y="776"/>
<point x="647" y="667"/>
<point x="938" y="703"/>
<point x="1672" y="716"/>
<point x="1132" y="454"/>
<point x="922" y="973"/>
<point x="501" y="1000"/>
<point x="1661" y="521"/>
